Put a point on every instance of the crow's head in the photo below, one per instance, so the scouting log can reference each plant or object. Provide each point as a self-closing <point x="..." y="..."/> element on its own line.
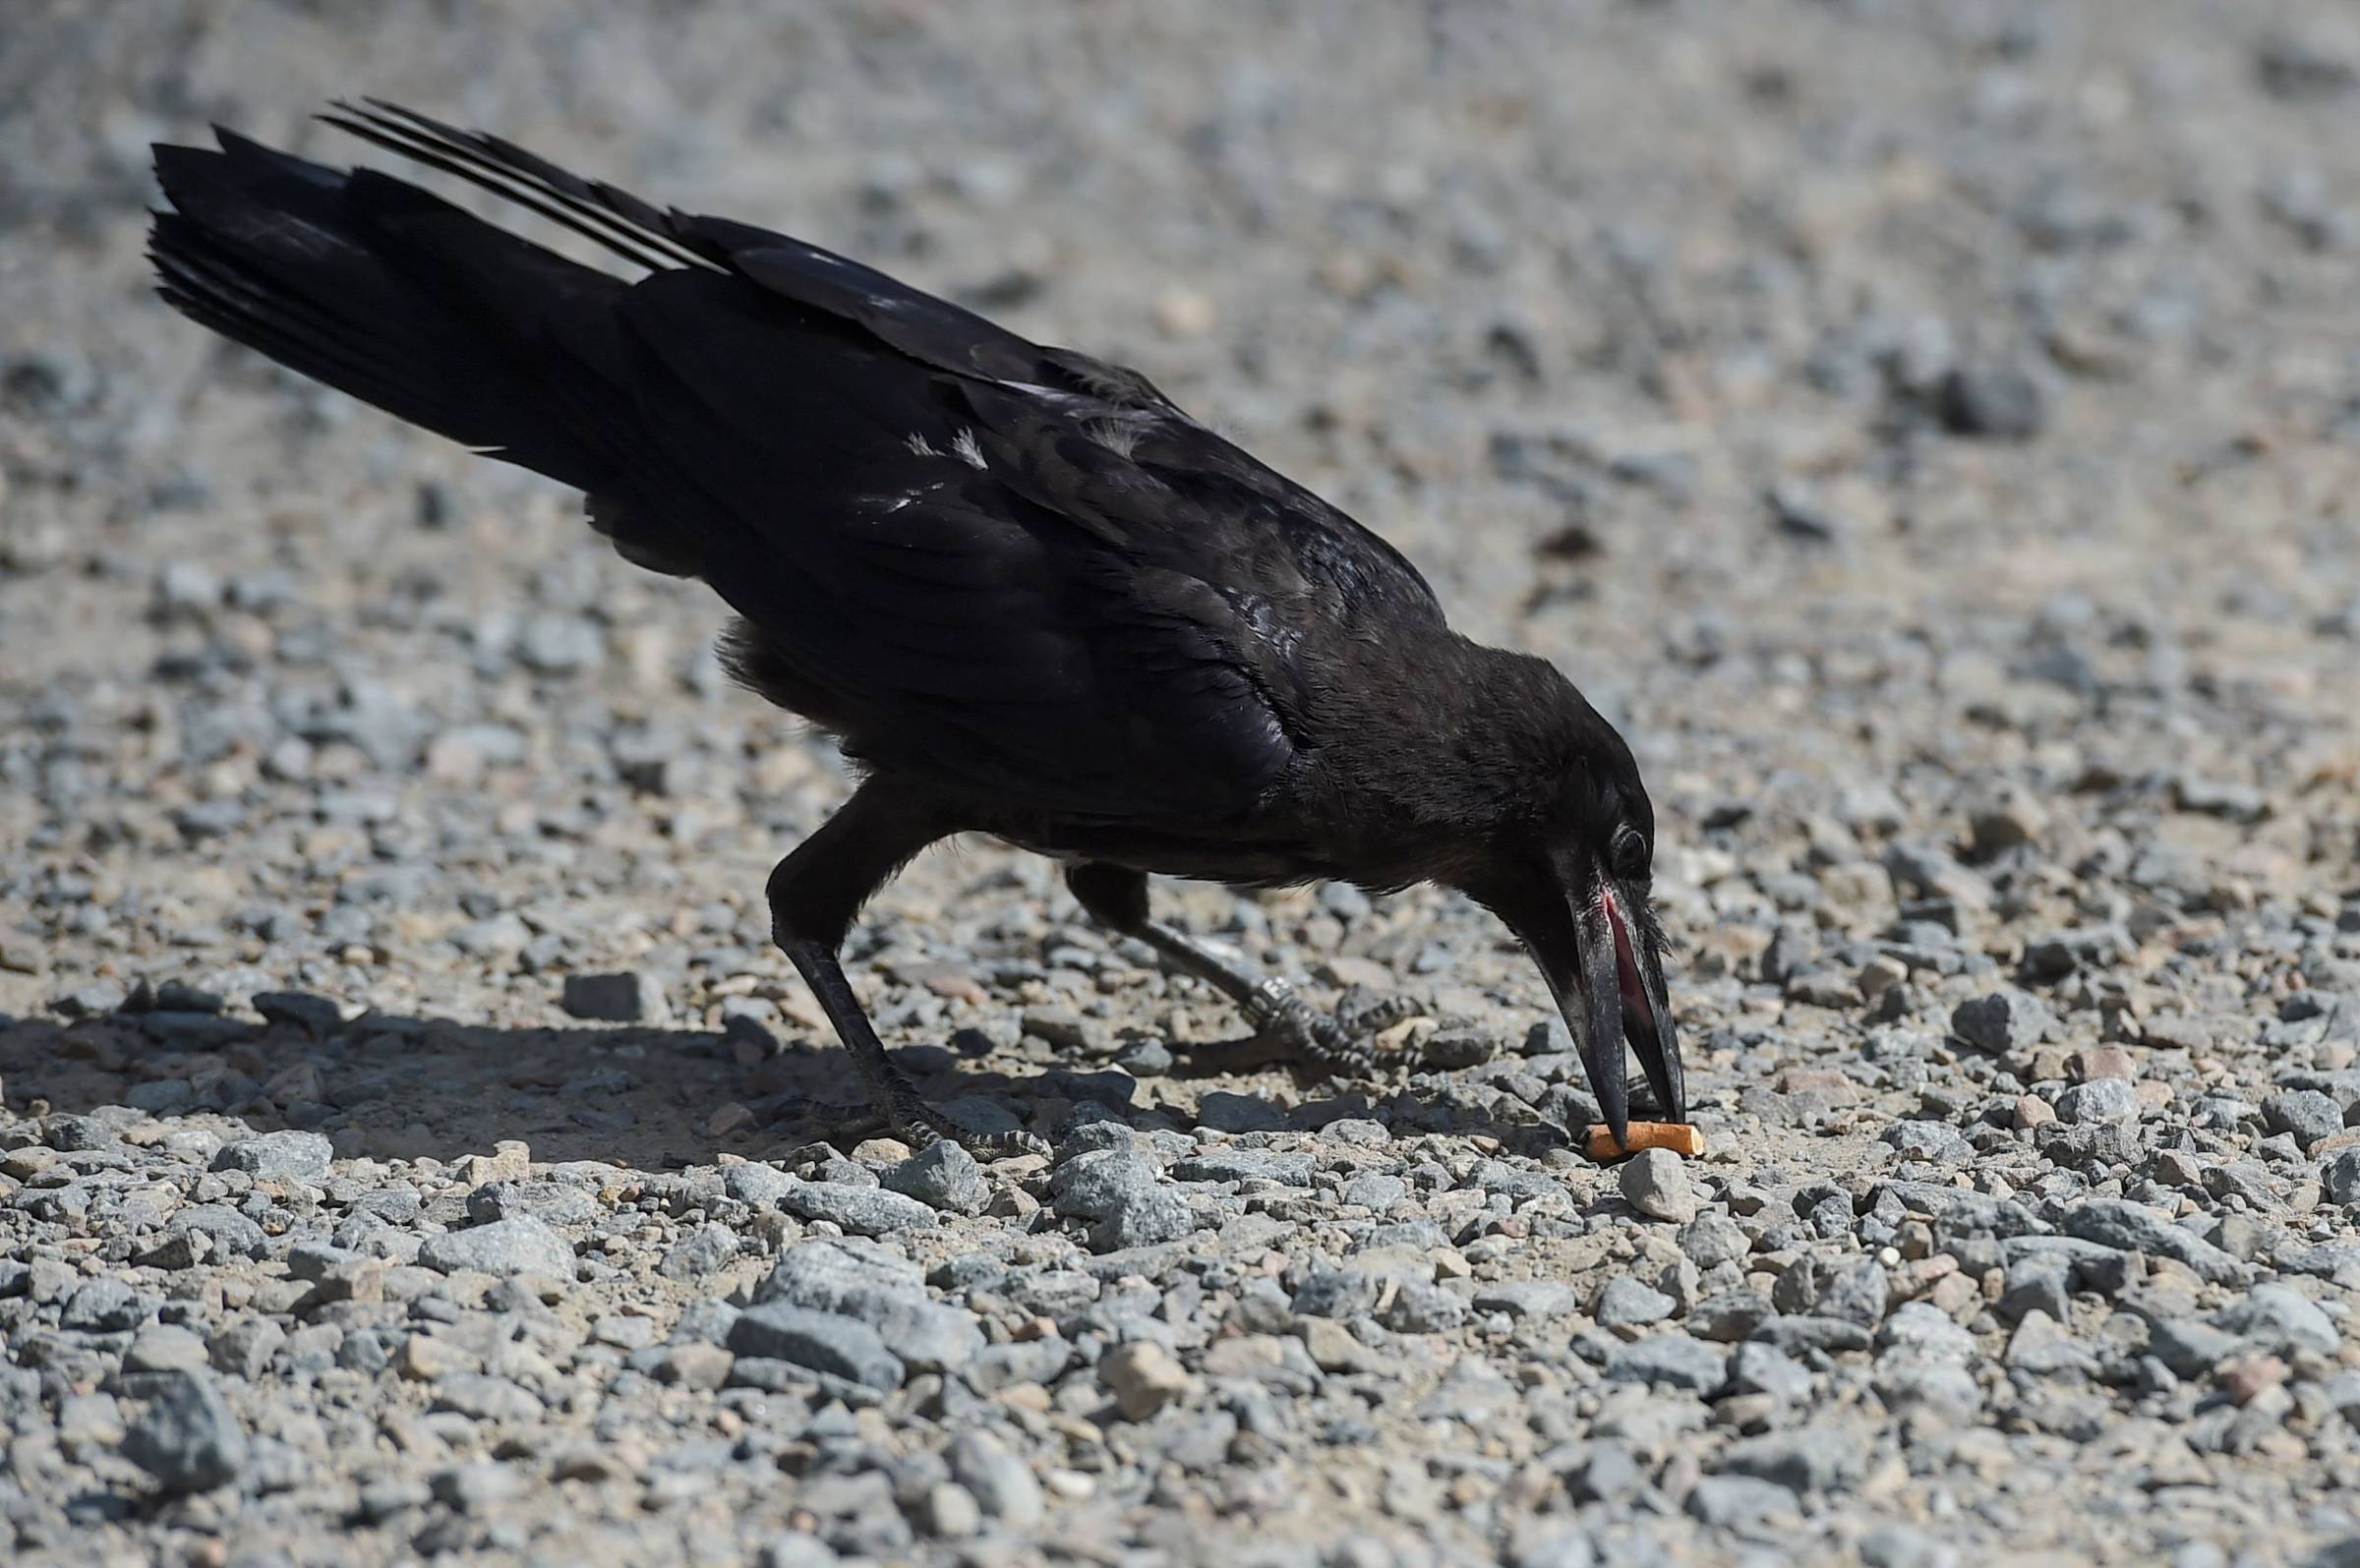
<point x="1570" y="877"/>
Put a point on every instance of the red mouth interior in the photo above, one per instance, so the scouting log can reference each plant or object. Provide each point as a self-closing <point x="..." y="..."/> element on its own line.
<point x="1626" y="964"/>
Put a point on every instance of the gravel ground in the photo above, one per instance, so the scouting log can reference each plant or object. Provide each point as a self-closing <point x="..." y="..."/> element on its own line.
<point x="1932" y="429"/>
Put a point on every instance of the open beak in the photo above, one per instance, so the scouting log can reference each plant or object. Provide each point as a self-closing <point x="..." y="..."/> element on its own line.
<point x="1597" y="950"/>
<point x="1624" y="996"/>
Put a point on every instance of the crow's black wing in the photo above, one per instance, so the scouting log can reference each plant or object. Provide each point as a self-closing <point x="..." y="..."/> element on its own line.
<point x="1014" y="568"/>
<point x="960" y="595"/>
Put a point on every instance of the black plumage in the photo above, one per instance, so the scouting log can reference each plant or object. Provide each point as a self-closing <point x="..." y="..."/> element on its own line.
<point x="1029" y="596"/>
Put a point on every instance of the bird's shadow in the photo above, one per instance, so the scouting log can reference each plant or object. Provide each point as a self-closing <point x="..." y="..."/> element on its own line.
<point x="648" y="1098"/>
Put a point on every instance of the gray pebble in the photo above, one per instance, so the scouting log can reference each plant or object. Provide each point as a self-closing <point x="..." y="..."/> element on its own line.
<point x="506" y="1248"/>
<point x="630" y="997"/>
<point x="882" y="1291"/>
<point x="824" y="1342"/>
<point x="288" y="1155"/>
<point x="1654" y="1181"/>
<point x="2133" y="1228"/>
<point x="2306" y="1114"/>
<point x="942" y="1176"/>
<point x="2099" y="1100"/>
<point x="1627" y="1302"/>
<point x="1002" y="1483"/>
<point x="2006" y="1020"/>
<point x="1671" y="1360"/>
<point x="187" y="1439"/>
<point x="860" y="1210"/>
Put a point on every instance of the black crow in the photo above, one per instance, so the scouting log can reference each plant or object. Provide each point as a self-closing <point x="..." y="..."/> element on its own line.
<point x="1029" y="596"/>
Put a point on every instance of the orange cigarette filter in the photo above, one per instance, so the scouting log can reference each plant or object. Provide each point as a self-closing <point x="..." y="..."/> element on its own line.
<point x="1678" y="1136"/>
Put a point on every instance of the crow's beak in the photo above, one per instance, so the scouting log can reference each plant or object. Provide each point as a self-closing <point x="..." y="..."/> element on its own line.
<point x="1624" y="999"/>
<point x="1596" y="944"/>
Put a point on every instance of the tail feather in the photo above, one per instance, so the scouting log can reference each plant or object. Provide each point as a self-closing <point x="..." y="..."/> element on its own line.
<point x="380" y="290"/>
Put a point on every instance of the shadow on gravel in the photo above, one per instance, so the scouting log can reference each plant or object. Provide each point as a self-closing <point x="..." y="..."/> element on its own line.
<point x="398" y="1088"/>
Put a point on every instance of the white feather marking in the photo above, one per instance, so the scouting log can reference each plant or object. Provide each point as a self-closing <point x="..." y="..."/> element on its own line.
<point x="966" y="449"/>
<point x="1118" y="437"/>
<point x="916" y="443"/>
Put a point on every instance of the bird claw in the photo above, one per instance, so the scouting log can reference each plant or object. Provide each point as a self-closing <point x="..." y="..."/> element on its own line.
<point x="920" y="1126"/>
<point x="909" y="1118"/>
<point x="1014" y="1143"/>
<point x="1337" y="1047"/>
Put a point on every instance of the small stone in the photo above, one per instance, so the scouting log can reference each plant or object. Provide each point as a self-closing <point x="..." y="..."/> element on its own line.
<point x="2280" y="1318"/>
<point x="1002" y="1483"/>
<point x="1144" y="1377"/>
<point x="554" y="645"/>
<point x="797" y="1549"/>
<point x="2306" y="1114"/>
<point x="246" y="1348"/>
<point x="1654" y="1181"/>
<point x="104" y="1306"/>
<point x="288" y="1155"/>
<point x="1150" y="1217"/>
<point x="885" y="1292"/>
<point x="505" y="1248"/>
<point x="1901" y="1546"/>
<point x="1563" y="1546"/>
<point x="628" y="997"/>
<point x="92" y="1421"/>
<point x="1419" y="1307"/>
<point x="1928" y="1330"/>
<point x="761" y="1185"/>
<point x="1740" y="1502"/>
<point x="1815" y="1460"/>
<point x="1246" y="1165"/>
<point x="824" y="1342"/>
<point x="1096" y="1182"/>
<point x="706" y="1248"/>
<point x="164" y="1347"/>
<point x="942" y="1176"/>
<point x="1627" y="1302"/>
<point x="2006" y="1020"/>
<point x="860" y="1210"/>
<point x="1759" y="1368"/>
<point x="316" y="1015"/>
<point x="2042" y="1345"/>
<point x="511" y="1160"/>
<point x="1183" y="312"/>
<point x="473" y="1488"/>
<point x="2101" y="1062"/>
<point x="188" y="1438"/>
<point x="2130" y="1227"/>
<point x="481" y="1396"/>
<point x="1671" y="1360"/>
<point x="1726" y="1317"/>
<point x="1531" y="1300"/>
<point x="1939" y="1141"/>
<point x="430" y="1358"/>
<point x="2247" y="1381"/>
<point x="2190" y="1346"/>
<point x="2099" y="1100"/>
<point x="2032" y="1111"/>
<point x="1859" y="1292"/>
<point x="2039" y="1283"/>
<point x="948" y="1511"/>
<point x="1712" y="1239"/>
<point x="2001" y="402"/>
<point x="695" y="1365"/>
<point x="2340" y="1178"/>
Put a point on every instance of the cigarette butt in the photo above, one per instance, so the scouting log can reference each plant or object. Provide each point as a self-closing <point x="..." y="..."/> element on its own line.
<point x="1678" y="1136"/>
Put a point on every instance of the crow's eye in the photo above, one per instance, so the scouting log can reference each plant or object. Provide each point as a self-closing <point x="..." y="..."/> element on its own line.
<point x="1630" y="855"/>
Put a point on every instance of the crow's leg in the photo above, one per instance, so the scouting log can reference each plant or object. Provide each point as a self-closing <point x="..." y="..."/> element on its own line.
<point x="1286" y="1029"/>
<point x="814" y="895"/>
